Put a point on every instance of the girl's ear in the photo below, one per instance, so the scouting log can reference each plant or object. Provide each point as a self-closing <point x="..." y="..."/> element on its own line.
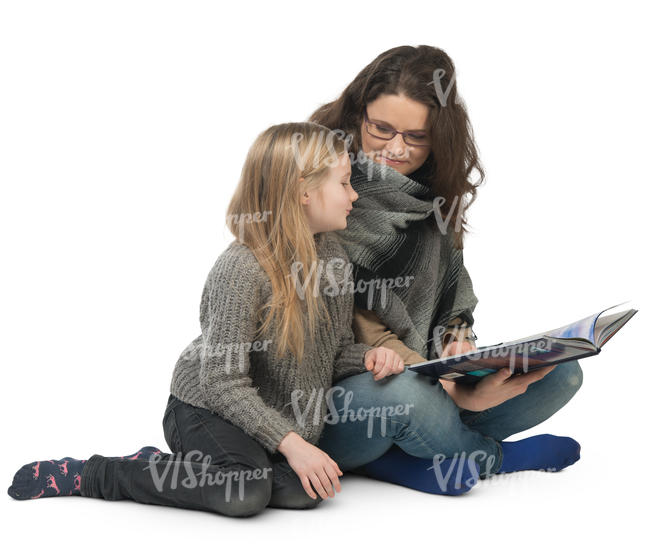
<point x="304" y="200"/>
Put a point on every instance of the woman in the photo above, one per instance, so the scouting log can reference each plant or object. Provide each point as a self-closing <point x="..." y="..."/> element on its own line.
<point x="235" y="418"/>
<point x="413" y="154"/>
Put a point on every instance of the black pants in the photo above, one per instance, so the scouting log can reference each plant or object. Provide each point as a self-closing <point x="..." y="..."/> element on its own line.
<point x="214" y="466"/>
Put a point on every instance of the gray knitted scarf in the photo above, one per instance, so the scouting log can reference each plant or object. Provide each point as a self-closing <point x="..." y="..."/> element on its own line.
<point x="391" y="234"/>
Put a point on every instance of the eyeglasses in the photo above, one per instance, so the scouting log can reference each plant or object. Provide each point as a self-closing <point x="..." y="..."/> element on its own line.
<point x="381" y="131"/>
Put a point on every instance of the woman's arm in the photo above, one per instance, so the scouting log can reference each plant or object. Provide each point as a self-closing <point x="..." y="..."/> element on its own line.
<point x="354" y="358"/>
<point x="369" y="328"/>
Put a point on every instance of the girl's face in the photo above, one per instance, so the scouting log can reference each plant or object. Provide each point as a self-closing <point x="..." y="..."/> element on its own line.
<point x="403" y="114"/>
<point x="328" y="207"/>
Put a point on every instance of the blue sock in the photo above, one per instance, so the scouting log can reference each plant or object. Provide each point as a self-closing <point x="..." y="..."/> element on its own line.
<point x="543" y="452"/>
<point x="438" y="476"/>
<point x="54" y="478"/>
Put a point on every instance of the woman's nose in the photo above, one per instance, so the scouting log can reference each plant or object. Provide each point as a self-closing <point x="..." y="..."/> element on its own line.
<point x="396" y="146"/>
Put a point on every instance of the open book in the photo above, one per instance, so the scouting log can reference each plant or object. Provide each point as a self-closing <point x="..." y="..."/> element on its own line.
<point x="576" y="340"/>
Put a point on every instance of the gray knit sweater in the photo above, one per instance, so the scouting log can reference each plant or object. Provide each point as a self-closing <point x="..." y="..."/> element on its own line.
<point x="229" y="372"/>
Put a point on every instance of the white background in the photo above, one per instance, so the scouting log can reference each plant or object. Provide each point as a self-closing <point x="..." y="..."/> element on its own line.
<point x="123" y="129"/>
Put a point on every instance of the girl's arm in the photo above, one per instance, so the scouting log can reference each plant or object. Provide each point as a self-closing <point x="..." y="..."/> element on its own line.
<point x="229" y="306"/>
<point x="350" y="358"/>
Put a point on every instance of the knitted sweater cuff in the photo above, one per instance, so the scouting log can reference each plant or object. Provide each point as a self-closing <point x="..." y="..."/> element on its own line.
<point x="351" y="360"/>
<point x="271" y="433"/>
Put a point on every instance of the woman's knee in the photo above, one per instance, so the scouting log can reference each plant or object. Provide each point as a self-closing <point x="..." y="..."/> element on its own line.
<point x="407" y="393"/>
<point x="575" y="375"/>
<point x="569" y="376"/>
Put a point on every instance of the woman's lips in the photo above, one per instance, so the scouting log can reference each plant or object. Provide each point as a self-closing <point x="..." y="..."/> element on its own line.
<point x="393" y="162"/>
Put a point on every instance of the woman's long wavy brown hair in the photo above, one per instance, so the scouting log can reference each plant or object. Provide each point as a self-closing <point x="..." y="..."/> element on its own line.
<point x="270" y="186"/>
<point x="454" y="156"/>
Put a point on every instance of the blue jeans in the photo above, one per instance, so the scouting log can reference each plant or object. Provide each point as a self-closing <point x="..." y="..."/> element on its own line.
<point x="416" y="413"/>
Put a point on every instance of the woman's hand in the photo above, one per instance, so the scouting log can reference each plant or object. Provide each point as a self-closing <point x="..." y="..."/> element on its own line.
<point x="313" y="466"/>
<point x="491" y="390"/>
<point x="382" y="362"/>
<point x="456" y="347"/>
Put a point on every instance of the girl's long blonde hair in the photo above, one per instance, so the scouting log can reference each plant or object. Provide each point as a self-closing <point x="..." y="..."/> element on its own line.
<point x="266" y="215"/>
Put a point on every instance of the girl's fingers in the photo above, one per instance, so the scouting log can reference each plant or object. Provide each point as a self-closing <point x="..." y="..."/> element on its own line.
<point x="334" y="479"/>
<point x="325" y="481"/>
<point x="315" y="481"/>
<point x="392" y="368"/>
<point x="307" y="486"/>
<point x="385" y="370"/>
<point x="336" y="467"/>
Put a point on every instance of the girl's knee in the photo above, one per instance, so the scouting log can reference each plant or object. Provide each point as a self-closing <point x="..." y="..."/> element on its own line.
<point x="237" y="499"/>
<point x="294" y="499"/>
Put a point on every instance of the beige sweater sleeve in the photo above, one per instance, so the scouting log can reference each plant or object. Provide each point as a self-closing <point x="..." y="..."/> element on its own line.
<point x="369" y="329"/>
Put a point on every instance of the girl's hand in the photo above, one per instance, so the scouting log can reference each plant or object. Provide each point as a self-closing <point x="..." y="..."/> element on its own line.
<point x="491" y="390"/>
<point x="382" y="362"/>
<point x="313" y="466"/>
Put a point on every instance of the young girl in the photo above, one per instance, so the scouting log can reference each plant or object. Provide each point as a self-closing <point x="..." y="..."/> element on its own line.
<point x="414" y="154"/>
<point x="276" y="329"/>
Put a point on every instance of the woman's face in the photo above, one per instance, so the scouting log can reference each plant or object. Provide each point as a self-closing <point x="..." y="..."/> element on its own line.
<point x="327" y="208"/>
<point x="403" y="114"/>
